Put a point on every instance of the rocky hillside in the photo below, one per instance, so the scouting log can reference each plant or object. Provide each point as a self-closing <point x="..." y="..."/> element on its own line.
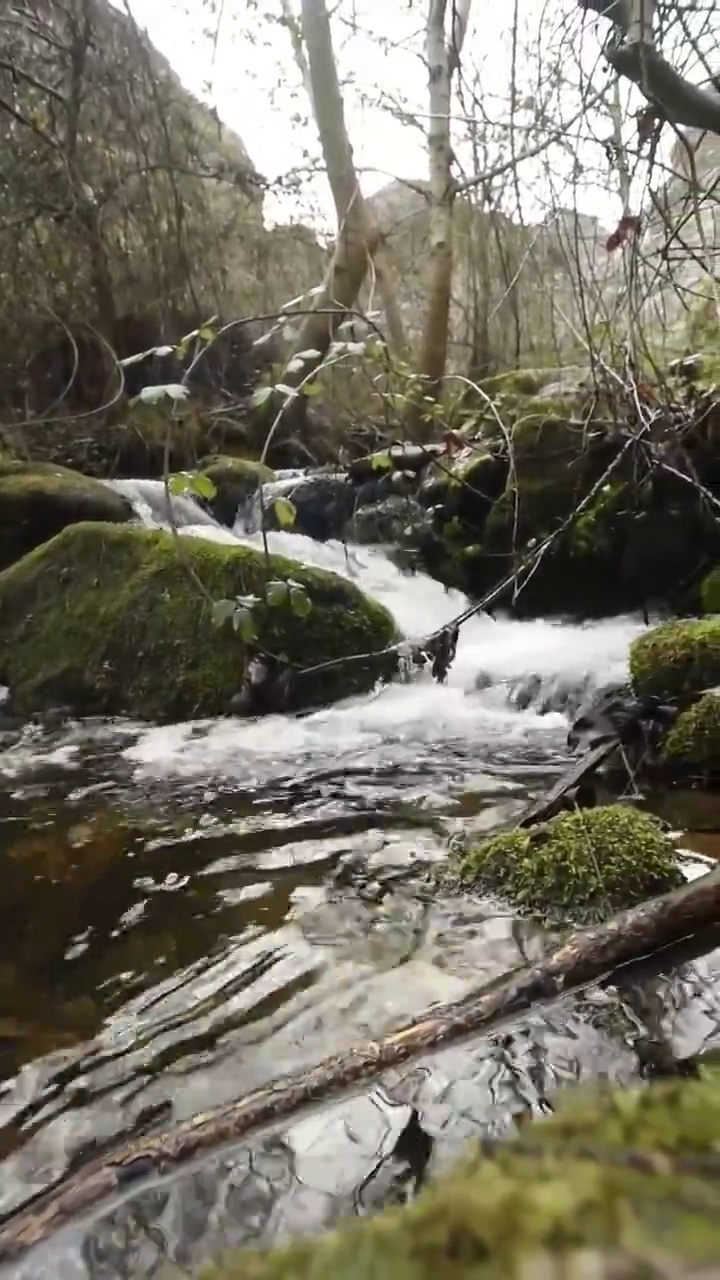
<point x="128" y="212"/>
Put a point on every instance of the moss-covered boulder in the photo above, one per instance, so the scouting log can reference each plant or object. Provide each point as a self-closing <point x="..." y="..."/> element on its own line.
<point x="38" y="499"/>
<point x="235" y="480"/>
<point x="678" y="659"/>
<point x="580" y="867"/>
<point x="118" y="620"/>
<point x="692" y="747"/>
<point x="618" y="1185"/>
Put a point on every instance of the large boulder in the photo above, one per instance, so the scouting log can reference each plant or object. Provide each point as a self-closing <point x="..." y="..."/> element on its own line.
<point x="38" y="500"/>
<point x="617" y="1185"/>
<point x="547" y="461"/>
<point x="114" y="619"/>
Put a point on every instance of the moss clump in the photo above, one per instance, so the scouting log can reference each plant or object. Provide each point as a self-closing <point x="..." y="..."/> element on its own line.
<point x="613" y="1185"/>
<point x="110" y="619"/>
<point x="677" y="659"/>
<point x="710" y="592"/>
<point x="524" y="382"/>
<point x="38" y="499"/>
<point x="578" y="867"/>
<point x="235" y="480"/>
<point x="693" y="743"/>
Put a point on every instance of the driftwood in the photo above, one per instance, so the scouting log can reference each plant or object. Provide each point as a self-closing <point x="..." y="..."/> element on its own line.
<point x="574" y="777"/>
<point x="585" y="957"/>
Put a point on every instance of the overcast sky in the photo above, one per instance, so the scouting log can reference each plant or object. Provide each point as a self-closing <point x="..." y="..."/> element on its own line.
<point x="254" y="85"/>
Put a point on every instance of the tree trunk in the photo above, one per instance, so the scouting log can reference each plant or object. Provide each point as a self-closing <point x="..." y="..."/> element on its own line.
<point x="585" y="957"/>
<point x="443" y="59"/>
<point x="358" y="239"/>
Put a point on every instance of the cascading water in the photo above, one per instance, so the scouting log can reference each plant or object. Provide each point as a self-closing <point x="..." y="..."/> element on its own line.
<point x="557" y="664"/>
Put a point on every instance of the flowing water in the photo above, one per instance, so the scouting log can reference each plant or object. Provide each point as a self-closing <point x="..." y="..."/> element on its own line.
<point x="192" y="910"/>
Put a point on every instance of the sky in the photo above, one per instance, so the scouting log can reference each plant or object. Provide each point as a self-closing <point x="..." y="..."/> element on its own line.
<point x="251" y="79"/>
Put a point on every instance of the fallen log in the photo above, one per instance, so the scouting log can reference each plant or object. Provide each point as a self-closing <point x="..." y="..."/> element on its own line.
<point x="585" y="957"/>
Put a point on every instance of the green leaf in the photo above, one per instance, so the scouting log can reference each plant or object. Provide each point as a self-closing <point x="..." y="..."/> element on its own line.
<point x="285" y="390"/>
<point x="285" y="511"/>
<point x="244" y="623"/>
<point x="192" y="482"/>
<point x="221" y="611"/>
<point x="312" y="389"/>
<point x="300" y="602"/>
<point x="206" y="334"/>
<point x="276" y="594"/>
<point x="260" y="396"/>
<point x="381" y="461"/>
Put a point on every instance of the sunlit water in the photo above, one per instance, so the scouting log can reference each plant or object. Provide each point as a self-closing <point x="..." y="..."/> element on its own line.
<point x="191" y="910"/>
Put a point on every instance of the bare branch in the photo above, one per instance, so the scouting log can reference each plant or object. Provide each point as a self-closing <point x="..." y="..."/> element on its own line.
<point x="631" y="52"/>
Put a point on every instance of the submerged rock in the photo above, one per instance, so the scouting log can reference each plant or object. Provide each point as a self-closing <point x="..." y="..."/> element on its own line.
<point x="678" y="659"/>
<point x="579" y="867"/>
<point x="390" y="521"/>
<point x="38" y="500"/>
<point x="616" y="1185"/>
<point x="117" y="620"/>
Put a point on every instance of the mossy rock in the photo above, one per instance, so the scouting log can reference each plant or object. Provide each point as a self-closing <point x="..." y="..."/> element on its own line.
<point x="710" y="592"/>
<point x="38" y="499"/>
<point x="526" y="382"/>
<point x="693" y="744"/>
<point x="580" y="867"/>
<point x="618" y="1184"/>
<point x="111" y="620"/>
<point x="235" y="480"/>
<point x="677" y="659"/>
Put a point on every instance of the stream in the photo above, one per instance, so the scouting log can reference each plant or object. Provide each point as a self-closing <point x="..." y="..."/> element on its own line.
<point x="190" y="911"/>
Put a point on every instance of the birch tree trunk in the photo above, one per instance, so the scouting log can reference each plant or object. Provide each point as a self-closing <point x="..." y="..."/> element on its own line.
<point x="358" y="238"/>
<point x="443" y="60"/>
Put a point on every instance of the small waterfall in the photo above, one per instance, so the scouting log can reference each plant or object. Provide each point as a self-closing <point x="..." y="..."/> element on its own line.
<point x="150" y="503"/>
<point x="509" y="678"/>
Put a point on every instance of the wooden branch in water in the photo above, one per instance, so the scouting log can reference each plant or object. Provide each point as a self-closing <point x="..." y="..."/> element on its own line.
<point x="585" y="957"/>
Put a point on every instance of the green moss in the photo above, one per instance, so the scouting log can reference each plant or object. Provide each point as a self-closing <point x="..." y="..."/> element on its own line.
<point x="244" y="468"/>
<point x="693" y="744"/>
<point x="614" y="1185"/>
<point x="677" y="659"/>
<point x="524" y="382"/>
<point x="235" y="479"/>
<point x="38" y="499"/>
<point x="109" y="619"/>
<point x="579" y="866"/>
<point x="710" y="592"/>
